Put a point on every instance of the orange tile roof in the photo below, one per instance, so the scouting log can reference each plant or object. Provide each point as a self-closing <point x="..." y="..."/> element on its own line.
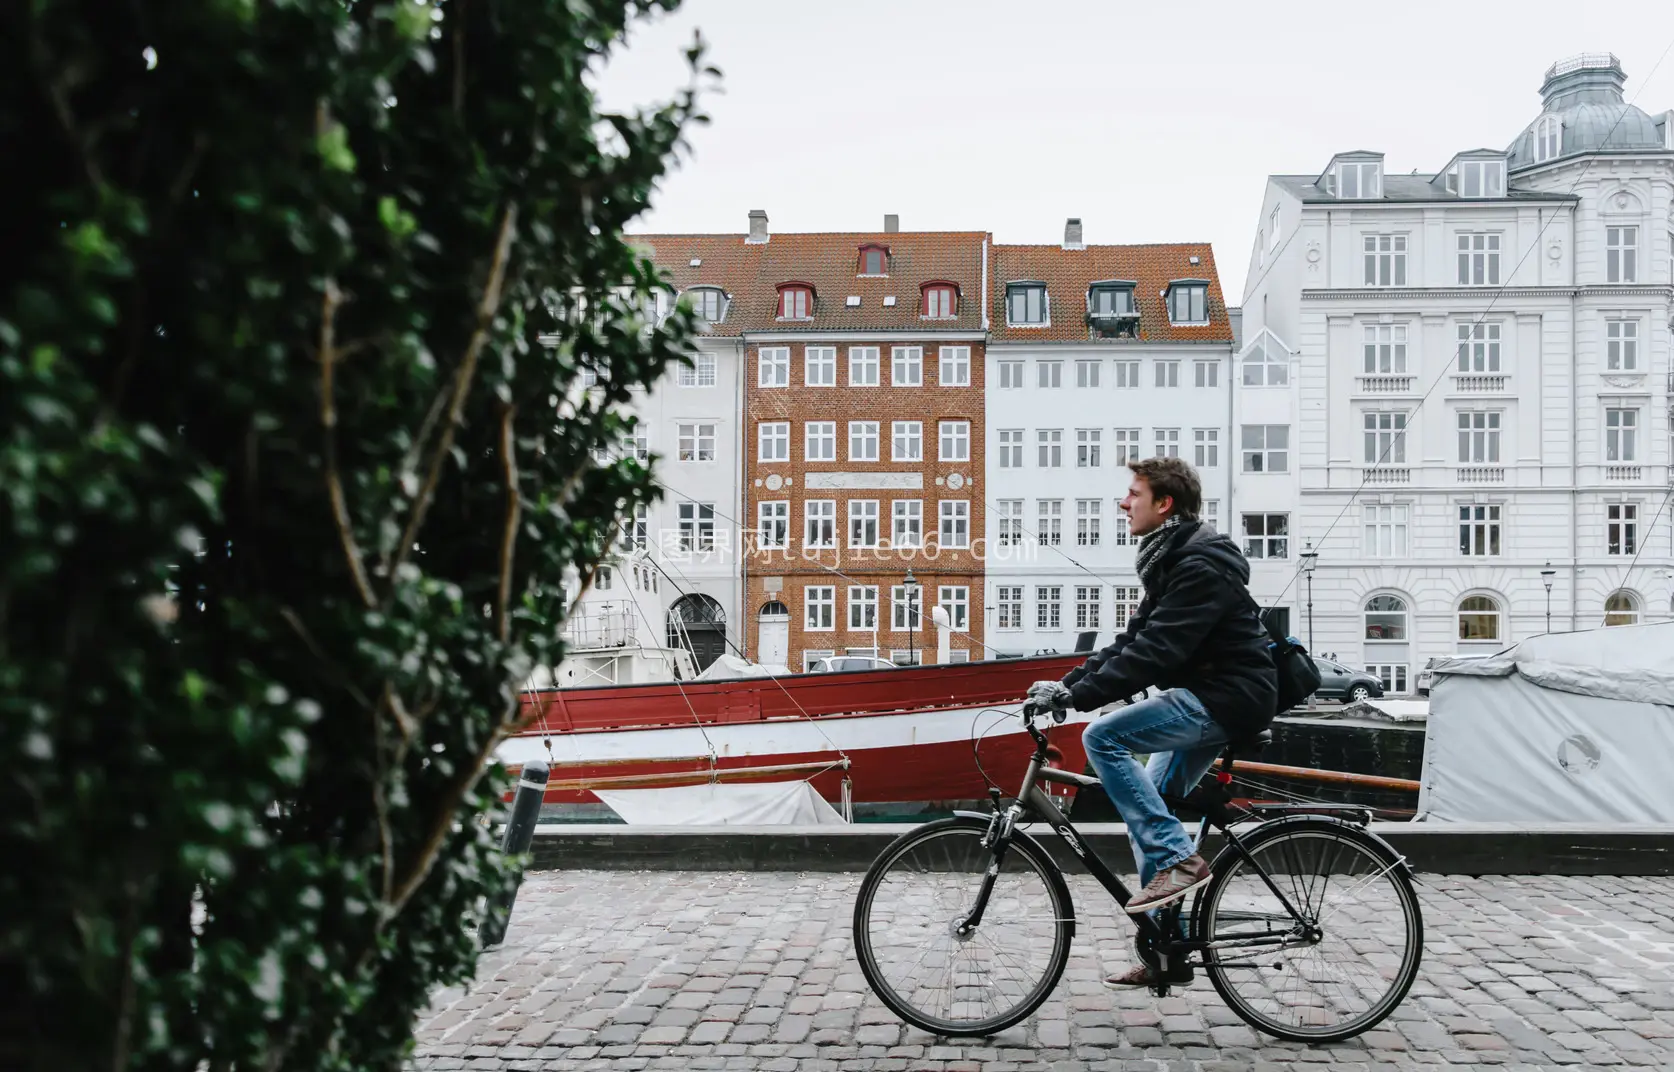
<point x="1068" y="272"/>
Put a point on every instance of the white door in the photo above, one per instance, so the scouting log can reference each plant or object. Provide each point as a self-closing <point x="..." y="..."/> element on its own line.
<point x="774" y="645"/>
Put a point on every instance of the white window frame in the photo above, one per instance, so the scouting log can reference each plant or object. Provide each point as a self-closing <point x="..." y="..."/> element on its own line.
<point x="1010" y="375"/>
<point x="956" y="600"/>
<point x="819" y="366"/>
<point x="1359" y="180"/>
<point x="941" y="302"/>
<point x="1479" y="346"/>
<point x="1088" y="447"/>
<point x="773" y="523"/>
<point x="1384" y="347"/>
<point x="1089" y="519"/>
<point x="1167" y="442"/>
<point x="1087" y="372"/>
<point x="1270" y="369"/>
<point x="864" y="370"/>
<point x="1621" y="434"/>
<point x="1385" y="260"/>
<point x="1009" y="512"/>
<point x="954" y="523"/>
<point x="1168" y="372"/>
<point x="1124" y="445"/>
<point x="1621" y="253"/>
<point x="906" y="441"/>
<point x="1124" y="604"/>
<point x="1088" y="599"/>
<point x="1126" y="375"/>
<point x="906" y="523"/>
<point x="1010" y="442"/>
<point x="773" y="441"/>
<point x="696" y="526"/>
<point x="1049" y="606"/>
<point x="1049" y="373"/>
<point x="700" y="373"/>
<point x="1394" y="676"/>
<point x="1008" y="607"/>
<point x="1497" y="613"/>
<point x="773" y="366"/>
<point x="1266" y="544"/>
<point x="819" y="441"/>
<point x="1621" y="344"/>
<point x="1481" y="530"/>
<point x="695" y="442"/>
<point x="864" y="525"/>
<point x="819" y="608"/>
<point x="1206" y="447"/>
<point x="906" y="366"/>
<point x="1548" y="138"/>
<point x="1207" y="373"/>
<point x="1385" y="530"/>
<point x="906" y="615"/>
<point x="1267" y="451"/>
<point x="953" y="366"/>
<point x="1049" y="518"/>
<point x="1385" y="436"/>
<point x="1479" y="178"/>
<point x="819" y="524"/>
<point x="1621" y="529"/>
<point x="1049" y="443"/>
<point x="955" y="441"/>
<point x="864" y="435"/>
<point x="1479" y="258"/>
<point x="862" y="608"/>
<point x="1479" y="436"/>
<point x="795" y="303"/>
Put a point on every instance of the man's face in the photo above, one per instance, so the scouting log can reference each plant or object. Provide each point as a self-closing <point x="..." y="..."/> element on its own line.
<point x="1144" y="512"/>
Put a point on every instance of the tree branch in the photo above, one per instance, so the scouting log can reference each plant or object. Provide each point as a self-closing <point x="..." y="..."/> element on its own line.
<point x="328" y="422"/>
<point x="314" y="649"/>
<point x="514" y="513"/>
<point x="487" y="306"/>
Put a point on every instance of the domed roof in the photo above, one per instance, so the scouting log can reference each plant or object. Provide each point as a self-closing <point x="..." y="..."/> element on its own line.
<point x="1585" y="94"/>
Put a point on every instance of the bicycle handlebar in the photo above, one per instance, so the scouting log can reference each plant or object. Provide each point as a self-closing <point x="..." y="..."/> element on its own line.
<point x="1033" y="710"/>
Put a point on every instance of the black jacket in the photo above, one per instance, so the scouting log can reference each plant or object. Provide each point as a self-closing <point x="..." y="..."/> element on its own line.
<point x="1198" y="630"/>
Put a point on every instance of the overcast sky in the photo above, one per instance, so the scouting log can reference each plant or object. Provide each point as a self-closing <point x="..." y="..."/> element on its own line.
<point x="1153" y="123"/>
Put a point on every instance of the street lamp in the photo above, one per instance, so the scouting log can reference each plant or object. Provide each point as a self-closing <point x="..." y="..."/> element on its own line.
<point x="911" y="584"/>
<point x="1310" y="559"/>
<point x="1546" y="577"/>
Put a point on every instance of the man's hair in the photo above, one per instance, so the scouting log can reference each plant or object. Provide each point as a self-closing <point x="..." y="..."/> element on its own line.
<point x="1174" y="479"/>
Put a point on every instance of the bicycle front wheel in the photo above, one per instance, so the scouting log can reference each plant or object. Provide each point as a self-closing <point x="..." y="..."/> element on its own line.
<point x="927" y="964"/>
<point x="1330" y="958"/>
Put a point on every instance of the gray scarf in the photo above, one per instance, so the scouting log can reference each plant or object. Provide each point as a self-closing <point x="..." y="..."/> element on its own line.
<point x="1151" y="548"/>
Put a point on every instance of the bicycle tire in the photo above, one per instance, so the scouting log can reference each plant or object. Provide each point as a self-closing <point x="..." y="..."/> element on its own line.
<point x="969" y="832"/>
<point x="1266" y="840"/>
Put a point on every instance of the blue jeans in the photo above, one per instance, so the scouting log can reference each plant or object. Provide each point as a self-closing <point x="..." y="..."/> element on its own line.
<point x="1182" y="741"/>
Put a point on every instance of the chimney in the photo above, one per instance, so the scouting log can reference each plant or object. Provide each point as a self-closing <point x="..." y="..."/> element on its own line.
<point x="758" y="227"/>
<point x="1072" y="234"/>
<point x="892" y="223"/>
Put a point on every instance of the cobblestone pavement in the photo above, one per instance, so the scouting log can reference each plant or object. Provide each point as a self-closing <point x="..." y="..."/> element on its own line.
<point x="690" y="970"/>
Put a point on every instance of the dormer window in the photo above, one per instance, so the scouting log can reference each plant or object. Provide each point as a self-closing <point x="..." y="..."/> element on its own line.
<point x="796" y="301"/>
<point x="1354" y="179"/>
<point x="1548" y="138"/>
<point x="1026" y="304"/>
<point x="1477" y="178"/>
<point x="1111" y="310"/>
<point x="874" y="260"/>
<point x="941" y="301"/>
<point x="709" y="304"/>
<point x="1188" y="301"/>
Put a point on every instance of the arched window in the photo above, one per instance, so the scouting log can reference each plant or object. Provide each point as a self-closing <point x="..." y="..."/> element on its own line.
<point x="1386" y="618"/>
<point x="1479" y="618"/>
<point x="1622" y="608"/>
<point x="796" y="301"/>
<point x="940" y="302"/>
<point x="1548" y="138"/>
<point x="708" y="303"/>
<point x="874" y="260"/>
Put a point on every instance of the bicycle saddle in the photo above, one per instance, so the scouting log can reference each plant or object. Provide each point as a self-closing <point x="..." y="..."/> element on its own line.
<point x="1251" y="745"/>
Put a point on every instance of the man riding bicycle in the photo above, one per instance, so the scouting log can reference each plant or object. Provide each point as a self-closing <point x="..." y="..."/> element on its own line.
<point x="1195" y="636"/>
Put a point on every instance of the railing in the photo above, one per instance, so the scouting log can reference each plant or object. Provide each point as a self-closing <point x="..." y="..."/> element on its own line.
<point x="1624" y="472"/>
<point x="1482" y="474"/>
<point x="1479" y="384"/>
<point x="609" y="627"/>
<point x="1386" y="385"/>
<point x="1388" y="475"/>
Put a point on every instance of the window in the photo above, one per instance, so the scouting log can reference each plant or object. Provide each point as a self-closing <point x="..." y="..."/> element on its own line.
<point x="1622" y="608"/>
<point x="1384" y="528"/>
<point x="1087" y="448"/>
<point x="819" y="441"/>
<point x="1127" y="374"/>
<point x="1479" y="618"/>
<point x="1110" y="301"/>
<point x="1548" y="138"/>
<point x="956" y="600"/>
<point x="773" y="524"/>
<point x="1386" y="438"/>
<point x="1011" y="375"/>
<point x="863" y="366"/>
<point x="863" y="607"/>
<point x="1212" y="514"/>
<point x="907" y="441"/>
<point x="1386" y="260"/>
<point x="955" y="516"/>
<point x="1122" y="535"/>
<point x="773" y="441"/>
<point x="1011" y="522"/>
<point x="795" y="303"/>
<point x="1621" y="254"/>
<point x="863" y="441"/>
<point x="1168" y="373"/>
<point x="954" y="366"/>
<point x="1206" y="447"/>
<point x="1273" y="230"/>
<point x="697" y="526"/>
<point x="1124" y="604"/>
<point x="709" y="304"/>
<point x="639" y="446"/>
<point x="941" y="302"/>
<point x="1266" y="536"/>
<point x="1621" y="427"/>
<point x="863" y="522"/>
<point x="700" y="373"/>
<point x="773" y="369"/>
<point x="603" y="579"/>
<point x="1479" y="531"/>
<point x="1050" y="442"/>
<point x="1621" y="345"/>
<point x="1386" y="618"/>
<point x="1386" y="349"/>
<point x="1050" y="530"/>
<point x="906" y="607"/>
<point x="1087" y="606"/>
<point x="819" y="602"/>
<point x="1008" y="606"/>
<point x="1479" y="347"/>
<point x="1025" y="303"/>
<point x="1088" y="514"/>
<point x="1392" y="675"/>
<point x="1478" y="178"/>
<point x="696" y="442"/>
<point x="874" y="260"/>
<point x="1208" y="373"/>
<point x="1479" y="437"/>
<point x="1359" y="178"/>
<point x="1621" y="528"/>
<point x="1087" y="373"/>
<point x="906" y="366"/>
<point x="636" y="529"/>
<point x="1168" y="443"/>
<point x="1011" y="448"/>
<point x="819" y="523"/>
<point x="811" y="658"/>
<point x="906" y="523"/>
<point x="819" y="366"/>
<point x="1188" y="303"/>
<point x="1049" y="373"/>
<point x="956" y="441"/>
<point x="1266" y="366"/>
<point x="1126" y="446"/>
<point x="1048" y="607"/>
<point x="1479" y="259"/>
<point x="906" y="656"/>
<point x="1266" y="448"/>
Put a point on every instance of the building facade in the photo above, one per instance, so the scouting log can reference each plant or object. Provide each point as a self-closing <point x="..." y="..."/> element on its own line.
<point x="1454" y="388"/>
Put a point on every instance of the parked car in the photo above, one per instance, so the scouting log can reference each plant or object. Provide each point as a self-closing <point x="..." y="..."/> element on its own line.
<point x="834" y="663"/>
<point x="1338" y="682"/>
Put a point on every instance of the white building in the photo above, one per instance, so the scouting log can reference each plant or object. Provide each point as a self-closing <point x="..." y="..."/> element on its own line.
<point x="1454" y="381"/>
<point x="1097" y="355"/>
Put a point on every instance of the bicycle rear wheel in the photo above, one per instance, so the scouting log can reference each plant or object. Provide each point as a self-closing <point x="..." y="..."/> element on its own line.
<point x="944" y="978"/>
<point x="1341" y="967"/>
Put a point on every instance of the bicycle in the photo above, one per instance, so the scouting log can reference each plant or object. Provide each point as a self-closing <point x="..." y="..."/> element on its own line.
<point x="1288" y="954"/>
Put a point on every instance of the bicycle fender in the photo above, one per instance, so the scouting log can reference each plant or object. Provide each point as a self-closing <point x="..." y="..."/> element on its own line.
<point x="1385" y="849"/>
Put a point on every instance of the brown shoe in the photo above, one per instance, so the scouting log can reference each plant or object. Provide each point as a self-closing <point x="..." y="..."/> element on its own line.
<point x="1143" y="975"/>
<point x="1170" y="885"/>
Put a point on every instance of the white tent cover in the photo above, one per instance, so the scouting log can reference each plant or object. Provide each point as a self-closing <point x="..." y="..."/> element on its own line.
<point x="727" y="667"/>
<point x="1565" y="727"/>
<point x="722" y="804"/>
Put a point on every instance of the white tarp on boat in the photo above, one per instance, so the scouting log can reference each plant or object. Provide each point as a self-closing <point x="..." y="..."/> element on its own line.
<point x="720" y="804"/>
<point x="1566" y="727"/>
<point x="728" y="666"/>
